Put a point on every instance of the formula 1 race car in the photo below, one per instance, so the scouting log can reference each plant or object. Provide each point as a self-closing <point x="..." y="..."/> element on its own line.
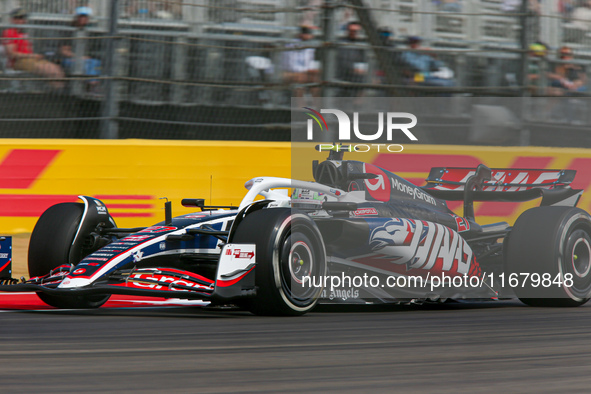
<point x="285" y="253"/>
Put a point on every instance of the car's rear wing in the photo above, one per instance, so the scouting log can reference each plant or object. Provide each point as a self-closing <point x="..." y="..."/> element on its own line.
<point x="502" y="184"/>
<point x="502" y="179"/>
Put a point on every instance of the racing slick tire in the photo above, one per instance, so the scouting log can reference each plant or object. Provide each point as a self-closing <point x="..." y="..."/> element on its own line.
<point x="289" y="246"/>
<point x="49" y="248"/>
<point x="555" y="243"/>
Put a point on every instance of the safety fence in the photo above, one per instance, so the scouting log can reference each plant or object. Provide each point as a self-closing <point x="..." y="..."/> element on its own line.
<point x="202" y="69"/>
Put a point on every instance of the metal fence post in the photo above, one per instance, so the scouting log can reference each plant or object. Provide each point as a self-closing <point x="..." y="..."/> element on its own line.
<point x="524" y="135"/>
<point x="381" y="53"/>
<point x="79" y="49"/>
<point x="329" y="52"/>
<point x="179" y="70"/>
<point x="110" y="109"/>
<point x="524" y="46"/>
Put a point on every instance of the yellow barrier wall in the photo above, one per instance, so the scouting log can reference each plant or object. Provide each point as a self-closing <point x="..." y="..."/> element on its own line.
<point x="131" y="175"/>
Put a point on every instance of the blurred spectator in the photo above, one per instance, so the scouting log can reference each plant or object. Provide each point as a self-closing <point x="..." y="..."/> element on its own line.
<point x="387" y="41"/>
<point x="299" y="64"/>
<point x="88" y="66"/>
<point x="423" y="69"/>
<point x="168" y="10"/>
<point x="566" y="8"/>
<point x="260" y="70"/>
<point x="351" y="61"/>
<point x="20" y="51"/>
<point x="537" y="64"/>
<point x="566" y="77"/>
<point x="581" y="16"/>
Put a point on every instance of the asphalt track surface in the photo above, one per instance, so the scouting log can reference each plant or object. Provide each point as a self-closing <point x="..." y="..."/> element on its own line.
<point x="483" y="347"/>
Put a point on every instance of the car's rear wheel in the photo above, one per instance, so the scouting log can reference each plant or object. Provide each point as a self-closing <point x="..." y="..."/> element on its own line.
<point x="49" y="247"/>
<point x="289" y="248"/>
<point x="552" y="244"/>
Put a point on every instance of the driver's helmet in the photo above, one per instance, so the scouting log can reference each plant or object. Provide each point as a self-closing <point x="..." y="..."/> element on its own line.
<point x="307" y="199"/>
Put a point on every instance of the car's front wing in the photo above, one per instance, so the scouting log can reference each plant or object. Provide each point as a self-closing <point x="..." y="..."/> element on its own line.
<point x="234" y="279"/>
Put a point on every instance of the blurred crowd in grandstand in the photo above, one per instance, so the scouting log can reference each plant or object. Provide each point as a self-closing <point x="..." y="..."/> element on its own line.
<point x="19" y="52"/>
<point x="165" y="58"/>
<point x="274" y="49"/>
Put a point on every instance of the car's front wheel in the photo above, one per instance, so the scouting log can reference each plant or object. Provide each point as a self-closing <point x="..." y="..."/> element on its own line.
<point x="50" y="247"/>
<point x="291" y="260"/>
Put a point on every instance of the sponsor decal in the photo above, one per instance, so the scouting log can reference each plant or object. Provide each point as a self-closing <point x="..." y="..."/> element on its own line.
<point x="79" y="271"/>
<point x="307" y="194"/>
<point x="365" y="212"/>
<point x="156" y="229"/>
<point x="3" y="255"/>
<point x="194" y="216"/>
<point x="502" y="178"/>
<point x="354" y="186"/>
<point x="136" y="238"/>
<point x="20" y="168"/>
<point x="378" y="187"/>
<point x="412" y="191"/>
<point x="463" y="224"/>
<point x="162" y="278"/>
<point x="422" y="245"/>
<point x="239" y="254"/>
<point x="343" y="294"/>
<point x="111" y="250"/>
<point x="100" y="208"/>
<point x="96" y="258"/>
<point x="162" y="245"/>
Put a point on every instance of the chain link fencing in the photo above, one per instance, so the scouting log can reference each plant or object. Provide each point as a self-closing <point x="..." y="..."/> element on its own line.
<point x="226" y="69"/>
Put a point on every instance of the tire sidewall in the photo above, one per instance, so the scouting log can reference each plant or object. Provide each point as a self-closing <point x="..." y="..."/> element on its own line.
<point x="269" y="229"/>
<point x="539" y="243"/>
<point x="574" y="223"/>
<point x="291" y="224"/>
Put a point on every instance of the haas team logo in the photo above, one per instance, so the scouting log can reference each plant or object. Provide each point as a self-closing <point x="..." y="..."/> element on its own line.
<point x="378" y="187"/>
<point x="424" y="245"/>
